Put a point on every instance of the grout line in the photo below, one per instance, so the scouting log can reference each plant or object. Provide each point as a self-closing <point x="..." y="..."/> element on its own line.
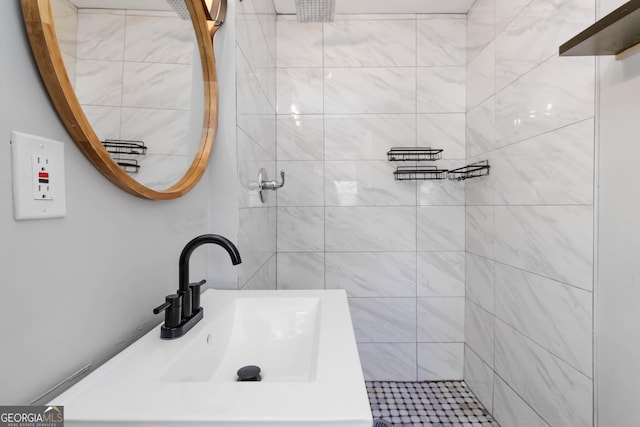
<point x="324" y="168"/>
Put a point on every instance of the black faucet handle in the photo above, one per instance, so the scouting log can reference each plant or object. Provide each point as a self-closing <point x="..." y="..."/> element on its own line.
<point x="196" y="289"/>
<point x="172" y="310"/>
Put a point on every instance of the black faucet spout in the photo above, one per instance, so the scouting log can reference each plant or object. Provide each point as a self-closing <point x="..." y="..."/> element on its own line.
<point x="183" y="266"/>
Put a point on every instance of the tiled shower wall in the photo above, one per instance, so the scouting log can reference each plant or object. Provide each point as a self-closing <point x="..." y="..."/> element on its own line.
<point x="529" y="225"/>
<point x="133" y="78"/>
<point x="256" y="140"/>
<point x="348" y="91"/>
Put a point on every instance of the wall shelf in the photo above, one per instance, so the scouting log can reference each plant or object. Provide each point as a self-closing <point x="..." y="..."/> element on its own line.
<point x="125" y="152"/>
<point x="413" y="173"/>
<point x="416" y="154"/>
<point x="474" y="170"/>
<point x="611" y="35"/>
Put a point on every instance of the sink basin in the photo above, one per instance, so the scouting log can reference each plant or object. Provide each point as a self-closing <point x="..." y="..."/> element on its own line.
<point x="303" y="342"/>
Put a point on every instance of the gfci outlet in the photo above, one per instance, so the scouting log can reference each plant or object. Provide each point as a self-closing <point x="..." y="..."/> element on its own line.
<point x="41" y="166"/>
<point x="38" y="177"/>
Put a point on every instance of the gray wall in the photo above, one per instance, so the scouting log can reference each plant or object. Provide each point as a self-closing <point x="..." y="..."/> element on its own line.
<point x="79" y="289"/>
<point x="617" y="291"/>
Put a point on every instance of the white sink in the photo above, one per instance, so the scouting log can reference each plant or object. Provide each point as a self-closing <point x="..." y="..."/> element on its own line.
<point x="302" y="340"/>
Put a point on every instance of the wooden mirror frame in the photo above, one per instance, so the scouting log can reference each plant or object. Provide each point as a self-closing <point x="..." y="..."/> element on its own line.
<point x="38" y="18"/>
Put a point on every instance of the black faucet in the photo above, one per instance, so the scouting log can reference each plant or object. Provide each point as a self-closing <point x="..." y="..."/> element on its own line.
<point x="182" y="310"/>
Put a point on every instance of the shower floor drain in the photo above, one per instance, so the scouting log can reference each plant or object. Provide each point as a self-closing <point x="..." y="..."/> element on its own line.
<point x="417" y="404"/>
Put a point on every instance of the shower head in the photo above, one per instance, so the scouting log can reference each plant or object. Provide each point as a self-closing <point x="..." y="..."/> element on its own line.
<point x="180" y="8"/>
<point x="315" y="10"/>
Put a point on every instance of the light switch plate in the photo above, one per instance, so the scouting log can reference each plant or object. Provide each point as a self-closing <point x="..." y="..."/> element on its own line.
<point x="38" y="177"/>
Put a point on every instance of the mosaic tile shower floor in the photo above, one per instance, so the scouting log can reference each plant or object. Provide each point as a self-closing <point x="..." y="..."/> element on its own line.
<point x="436" y="404"/>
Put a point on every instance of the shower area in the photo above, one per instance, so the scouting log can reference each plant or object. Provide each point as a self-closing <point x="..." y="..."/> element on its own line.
<point x="487" y="280"/>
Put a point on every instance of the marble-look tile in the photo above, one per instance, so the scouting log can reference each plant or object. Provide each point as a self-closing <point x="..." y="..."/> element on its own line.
<point x="256" y="240"/>
<point x="481" y="128"/>
<point x="91" y="10"/>
<point x="372" y="274"/>
<point x="481" y="77"/>
<point x="506" y="11"/>
<point x="163" y="131"/>
<point x="555" y="94"/>
<point x="480" y="234"/>
<point x="388" y="362"/>
<point x="480" y="191"/>
<point x="441" y="228"/>
<point x="366" y="183"/>
<point x="99" y="82"/>
<point x="261" y="128"/>
<point x="445" y="131"/>
<point x="157" y="85"/>
<point x="375" y="16"/>
<point x="264" y="278"/>
<point x="105" y="121"/>
<point x="479" y="331"/>
<point x="156" y="39"/>
<point x="251" y="97"/>
<point x="301" y="271"/>
<point x="300" y="137"/>
<point x="442" y="192"/>
<point x="510" y="410"/>
<point x="100" y="37"/>
<point x="300" y="229"/>
<point x="159" y="13"/>
<point x="370" y="90"/>
<point x="269" y="26"/>
<point x="304" y="183"/>
<point x="440" y="361"/>
<point x="264" y="7"/>
<point x="376" y="229"/>
<point x="299" y="45"/>
<point x="480" y="23"/>
<point x="441" y="90"/>
<point x="553" y="241"/>
<point x="556" y="391"/>
<point x="479" y="377"/>
<point x="422" y="16"/>
<point x="556" y="316"/>
<point x="440" y="274"/>
<point x="160" y="172"/>
<point x="253" y="42"/>
<point x="553" y="168"/>
<point x="299" y="90"/>
<point x="251" y="158"/>
<point x="367" y="137"/>
<point x="375" y="43"/>
<point x="480" y="281"/>
<point x="442" y="42"/>
<point x="441" y="319"/>
<point x="534" y="35"/>
<point x="65" y="19"/>
<point x="387" y="320"/>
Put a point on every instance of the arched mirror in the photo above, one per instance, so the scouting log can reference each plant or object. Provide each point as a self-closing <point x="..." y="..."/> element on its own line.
<point x="134" y="83"/>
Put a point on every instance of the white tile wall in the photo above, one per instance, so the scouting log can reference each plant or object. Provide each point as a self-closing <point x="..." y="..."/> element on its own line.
<point x="529" y="225"/>
<point x="348" y="91"/>
<point x="256" y="148"/>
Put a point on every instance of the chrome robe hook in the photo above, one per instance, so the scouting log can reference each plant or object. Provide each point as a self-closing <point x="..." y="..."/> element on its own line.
<point x="264" y="185"/>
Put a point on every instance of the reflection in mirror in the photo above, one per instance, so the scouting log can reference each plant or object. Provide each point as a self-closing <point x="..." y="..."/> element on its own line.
<point x="138" y="77"/>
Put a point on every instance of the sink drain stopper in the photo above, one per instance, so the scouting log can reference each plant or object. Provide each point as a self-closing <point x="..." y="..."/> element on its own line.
<point x="249" y="373"/>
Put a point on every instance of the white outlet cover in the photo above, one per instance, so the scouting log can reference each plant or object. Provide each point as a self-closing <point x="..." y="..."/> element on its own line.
<point x="25" y="205"/>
